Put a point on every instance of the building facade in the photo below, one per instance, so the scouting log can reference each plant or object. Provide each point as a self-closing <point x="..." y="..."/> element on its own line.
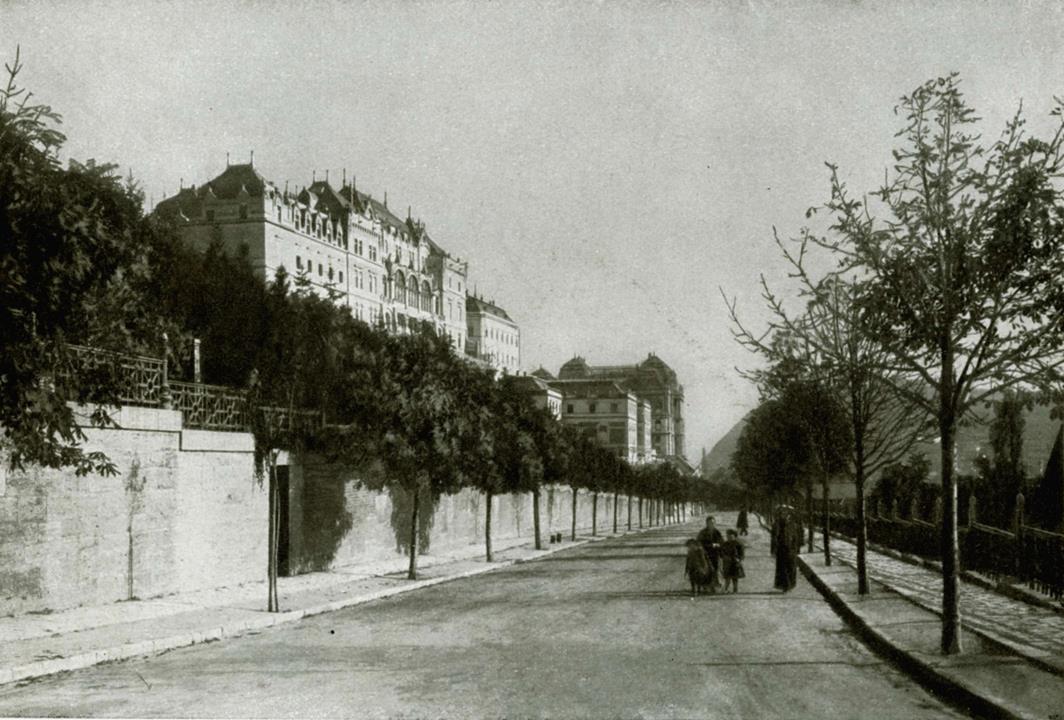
<point x="604" y="411"/>
<point x="651" y="381"/>
<point x="342" y="242"/>
<point x="492" y="335"/>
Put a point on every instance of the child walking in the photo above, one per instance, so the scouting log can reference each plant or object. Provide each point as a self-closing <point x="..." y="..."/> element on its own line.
<point x="731" y="561"/>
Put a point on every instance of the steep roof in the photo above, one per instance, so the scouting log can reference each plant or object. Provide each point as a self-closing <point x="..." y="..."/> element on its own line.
<point x="477" y="305"/>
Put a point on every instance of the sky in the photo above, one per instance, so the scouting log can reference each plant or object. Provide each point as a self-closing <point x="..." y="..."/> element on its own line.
<point x="607" y="169"/>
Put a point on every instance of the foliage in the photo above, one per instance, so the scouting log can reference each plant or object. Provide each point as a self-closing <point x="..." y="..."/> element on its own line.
<point x="902" y="482"/>
<point x="1003" y="475"/>
<point x="74" y="266"/>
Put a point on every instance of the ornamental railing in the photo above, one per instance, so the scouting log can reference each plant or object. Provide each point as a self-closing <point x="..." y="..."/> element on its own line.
<point x="210" y="407"/>
<point x="140" y="379"/>
<point x="143" y="381"/>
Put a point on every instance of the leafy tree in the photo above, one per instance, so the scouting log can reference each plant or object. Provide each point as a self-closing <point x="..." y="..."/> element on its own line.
<point x="961" y="276"/>
<point x="406" y="420"/>
<point x="1002" y="476"/>
<point x="902" y="482"/>
<point x="74" y="261"/>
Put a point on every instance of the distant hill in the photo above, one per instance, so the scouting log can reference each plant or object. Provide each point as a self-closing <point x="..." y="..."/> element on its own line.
<point x="1039" y="432"/>
<point x="720" y="455"/>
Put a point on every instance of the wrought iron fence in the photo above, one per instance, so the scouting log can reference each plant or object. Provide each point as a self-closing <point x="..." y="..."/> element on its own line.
<point x="139" y="379"/>
<point x="1031" y="556"/>
<point x="210" y="407"/>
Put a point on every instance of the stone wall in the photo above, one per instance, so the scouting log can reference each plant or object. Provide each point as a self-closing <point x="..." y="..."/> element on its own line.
<point x="333" y="522"/>
<point x="183" y="513"/>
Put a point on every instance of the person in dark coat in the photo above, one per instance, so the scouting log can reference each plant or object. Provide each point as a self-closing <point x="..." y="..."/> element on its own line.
<point x="711" y="540"/>
<point x="731" y="561"/>
<point x="741" y="523"/>
<point x="786" y="542"/>
<point x="697" y="569"/>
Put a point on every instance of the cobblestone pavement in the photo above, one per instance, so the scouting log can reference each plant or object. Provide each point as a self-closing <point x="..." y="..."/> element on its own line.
<point x="981" y="609"/>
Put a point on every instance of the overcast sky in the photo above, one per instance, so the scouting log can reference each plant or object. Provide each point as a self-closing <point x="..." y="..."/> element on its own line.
<point x="603" y="167"/>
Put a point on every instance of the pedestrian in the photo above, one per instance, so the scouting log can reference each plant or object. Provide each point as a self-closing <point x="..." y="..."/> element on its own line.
<point x="697" y="568"/>
<point x="711" y="539"/>
<point x="731" y="561"/>
<point x="741" y="523"/>
<point x="786" y="541"/>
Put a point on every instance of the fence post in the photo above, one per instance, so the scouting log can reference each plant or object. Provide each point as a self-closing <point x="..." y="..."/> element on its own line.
<point x="164" y="388"/>
<point x="197" y="374"/>
<point x="938" y="510"/>
<point x="914" y="508"/>
<point x="894" y="509"/>
<point x="972" y="508"/>
<point x="1017" y="518"/>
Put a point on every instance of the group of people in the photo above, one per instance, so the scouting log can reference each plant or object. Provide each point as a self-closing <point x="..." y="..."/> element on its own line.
<point x="712" y="556"/>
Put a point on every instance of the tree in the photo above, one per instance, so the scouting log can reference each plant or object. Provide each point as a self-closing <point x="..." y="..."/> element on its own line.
<point x="902" y="482"/>
<point x="1003" y="475"/>
<point x="405" y="419"/>
<point x="961" y="276"/>
<point x="74" y="262"/>
<point x="832" y="339"/>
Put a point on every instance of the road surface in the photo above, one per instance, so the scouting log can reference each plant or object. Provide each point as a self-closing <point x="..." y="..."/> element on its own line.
<point x="603" y="630"/>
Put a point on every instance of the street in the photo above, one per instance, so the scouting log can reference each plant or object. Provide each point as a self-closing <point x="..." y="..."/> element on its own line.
<point x="604" y="630"/>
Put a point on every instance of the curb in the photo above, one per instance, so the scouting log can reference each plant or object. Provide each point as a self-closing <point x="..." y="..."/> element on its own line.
<point x="941" y="684"/>
<point x="147" y="648"/>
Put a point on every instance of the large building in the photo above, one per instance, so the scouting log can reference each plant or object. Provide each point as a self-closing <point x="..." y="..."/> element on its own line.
<point x="606" y="412"/>
<point x="493" y="337"/>
<point x="340" y="240"/>
<point x="651" y="380"/>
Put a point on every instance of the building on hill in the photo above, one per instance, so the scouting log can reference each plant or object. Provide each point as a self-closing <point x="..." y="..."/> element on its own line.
<point x="608" y="413"/>
<point x="651" y="380"/>
<point x="542" y="394"/>
<point x="492" y="335"/>
<point x="340" y="240"/>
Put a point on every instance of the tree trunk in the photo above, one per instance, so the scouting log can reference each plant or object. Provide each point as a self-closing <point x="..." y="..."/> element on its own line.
<point x="809" y="511"/>
<point x="487" y="529"/>
<point x="594" y="514"/>
<point x="411" y="573"/>
<point x="640" y="512"/>
<point x="951" y="614"/>
<point x="615" y="495"/>
<point x="535" y="518"/>
<point x="271" y="548"/>
<point x="629" y="511"/>
<point x="574" y="513"/>
<point x="826" y="519"/>
<point x="862" y="522"/>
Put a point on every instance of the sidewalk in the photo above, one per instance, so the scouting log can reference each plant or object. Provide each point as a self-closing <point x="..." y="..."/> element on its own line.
<point x="35" y="645"/>
<point x="1013" y="659"/>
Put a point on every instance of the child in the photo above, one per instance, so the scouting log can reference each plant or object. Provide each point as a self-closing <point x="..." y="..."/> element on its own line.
<point x="731" y="561"/>
<point x="698" y="570"/>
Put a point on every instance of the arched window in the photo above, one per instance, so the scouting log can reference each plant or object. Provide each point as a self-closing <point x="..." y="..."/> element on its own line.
<point x="411" y="291"/>
<point x="400" y="287"/>
<point x="426" y="296"/>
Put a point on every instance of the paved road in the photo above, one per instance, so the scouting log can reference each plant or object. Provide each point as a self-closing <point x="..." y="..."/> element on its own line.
<point x="606" y="630"/>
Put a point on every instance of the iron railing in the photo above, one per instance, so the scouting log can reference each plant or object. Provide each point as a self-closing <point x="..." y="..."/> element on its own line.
<point x="140" y="379"/>
<point x="1030" y="555"/>
<point x="210" y="407"/>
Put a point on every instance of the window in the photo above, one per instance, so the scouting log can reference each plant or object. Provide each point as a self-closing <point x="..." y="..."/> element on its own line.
<point x="341" y="276"/>
<point x="591" y="407"/>
<point x="278" y="214"/>
<point x="210" y="216"/>
<point x="613" y="407"/>
<point x="330" y="274"/>
<point x="569" y="408"/>
<point x="299" y="263"/>
<point x="244" y="212"/>
<point x="319" y="270"/>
